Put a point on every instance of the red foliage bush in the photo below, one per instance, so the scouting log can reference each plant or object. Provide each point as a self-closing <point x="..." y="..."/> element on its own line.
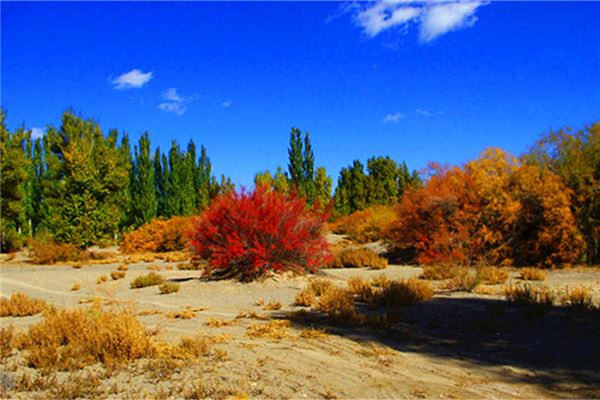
<point x="158" y="236"/>
<point x="247" y="234"/>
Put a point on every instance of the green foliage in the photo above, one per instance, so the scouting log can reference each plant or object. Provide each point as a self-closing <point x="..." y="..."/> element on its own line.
<point x="143" y="193"/>
<point x="383" y="182"/>
<point x="85" y="183"/>
<point x="323" y="185"/>
<point x="14" y="167"/>
<point x="296" y="160"/>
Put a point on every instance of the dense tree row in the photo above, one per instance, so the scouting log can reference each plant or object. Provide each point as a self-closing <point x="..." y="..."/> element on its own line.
<point x="383" y="183"/>
<point x="84" y="187"/>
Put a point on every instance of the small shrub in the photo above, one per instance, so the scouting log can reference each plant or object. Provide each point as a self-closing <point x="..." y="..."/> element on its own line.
<point x="578" y="298"/>
<point x="270" y="330"/>
<point x="152" y="279"/>
<point x="158" y="236"/>
<point x="492" y="275"/>
<point x="313" y="333"/>
<point x="123" y="267"/>
<point x="6" y="341"/>
<point x="45" y="251"/>
<point x="464" y="281"/>
<point x="76" y="264"/>
<point x="533" y="274"/>
<point x="21" y="305"/>
<point x="359" y="258"/>
<point x="439" y="272"/>
<point x="361" y="288"/>
<point x="403" y="292"/>
<point x="245" y="235"/>
<point x="101" y="279"/>
<point x="117" y="275"/>
<point x="217" y="322"/>
<point x="153" y="268"/>
<point x="272" y="305"/>
<point x="168" y="287"/>
<point x="528" y="294"/>
<point x="305" y="298"/>
<point x="183" y="314"/>
<point x="337" y="303"/>
<point x="319" y="285"/>
<point x="76" y="287"/>
<point x="70" y="339"/>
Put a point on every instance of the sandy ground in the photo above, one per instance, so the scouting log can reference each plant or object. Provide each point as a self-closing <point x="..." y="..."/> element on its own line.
<point x="458" y="345"/>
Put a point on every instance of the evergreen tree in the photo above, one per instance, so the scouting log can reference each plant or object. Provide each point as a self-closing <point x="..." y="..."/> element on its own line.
<point x="13" y="176"/>
<point x="32" y="202"/>
<point x="203" y="177"/>
<point x="323" y="184"/>
<point x="308" y="171"/>
<point x="126" y="162"/>
<point x="382" y="180"/>
<point x="143" y="187"/>
<point x="159" y="183"/>
<point x="296" y="161"/>
<point x="83" y="183"/>
<point x="407" y="179"/>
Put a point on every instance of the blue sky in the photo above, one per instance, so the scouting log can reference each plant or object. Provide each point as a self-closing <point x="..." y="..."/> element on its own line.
<point x="417" y="81"/>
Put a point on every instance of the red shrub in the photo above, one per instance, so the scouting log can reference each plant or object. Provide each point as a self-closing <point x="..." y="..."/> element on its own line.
<point x="248" y="234"/>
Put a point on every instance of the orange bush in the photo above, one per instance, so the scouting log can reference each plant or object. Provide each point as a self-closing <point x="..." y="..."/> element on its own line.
<point x="493" y="210"/>
<point x="367" y="225"/>
<point x="158" y="236"/>
<point x="359" y="258"/>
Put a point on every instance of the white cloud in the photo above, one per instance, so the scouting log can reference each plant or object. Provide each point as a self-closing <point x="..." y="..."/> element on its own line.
<point x="175" y="102"/>
<point x="443" y="18"/>
<point x="132" y="79"/>
<point x="172" y="95"/>
<point x="226" y="103"/>
<point x="426" y="113"/>
<point x="37" y="133"/>
<point x="433" y="18"/>
<point x="393" y="117"/>
<point x="172" y="107"/>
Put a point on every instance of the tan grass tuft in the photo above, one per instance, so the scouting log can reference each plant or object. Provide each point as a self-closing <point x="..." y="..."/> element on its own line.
<point x="492" y="275"/>
<point x="271" y="330"/>
<point x="21" y="305"/>
<point x="359" y="258"/>
<point x="528" y="294"/>
<point x="533" y="274"/>
<point x="169" y="287"/>
<point x="117" y="275"/>
<point x="305" y="298"/>
<point x="218" y="322"/>
<point x="76" y="286"/>
<point x="578" y="298"/>
<point x="152" y="279"/>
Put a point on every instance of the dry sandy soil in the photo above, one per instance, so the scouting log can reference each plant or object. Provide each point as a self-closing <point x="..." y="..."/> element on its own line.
<point x="457" y="345"/>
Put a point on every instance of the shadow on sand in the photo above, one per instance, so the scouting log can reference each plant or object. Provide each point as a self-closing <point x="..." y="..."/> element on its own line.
<point x="558" y="348"/>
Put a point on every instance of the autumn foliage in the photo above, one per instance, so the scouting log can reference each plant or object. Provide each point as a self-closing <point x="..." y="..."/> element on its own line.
<point x="158" y="235"/>
<point x="249" y="233"/>
<point x="494" y="210"/>
<point x="368" y="225"/>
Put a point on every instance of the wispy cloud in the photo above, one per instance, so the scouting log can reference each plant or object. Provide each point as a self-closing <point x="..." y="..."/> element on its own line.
<point x="393" y="117"/>
<point x="426" y="113"/>
<point x="175" y="102"/>
<point x="132" y="79"/>
<point x="433" y="18"/>
<point x="226" y="103"/>
<point x="37" y="133"/>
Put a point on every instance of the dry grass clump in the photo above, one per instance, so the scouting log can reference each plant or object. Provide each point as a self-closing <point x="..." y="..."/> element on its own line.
<point x="76" y="286"/>
<point x="403" y="292"/>
<point x="217" y="322"/>
<point x="272" y="305"/>
<point x="70" y="339"/>
<point x="6" y="341"/>
<point x="359" y="258"/>
<point x="270" y="330"/>
<point x="440" y="272"/>
<point x="142" y="257"/>
<point x="182" y="314"/>
<point x="101" y="279"/>
<point x="252" y="315"/>
<point x="492" y="275"/>
<point x="145" y="313"/>
<point x="337" y="303"/>
<point x="362" y="289"/>
<point x="529" y="294"/>
<point x="152" y="279"/>
<point x="76" y="264"/>
<point x="464" y="281"/>
<point x="123" y="267"/>
<point x="578" y="298"/>
<point x="175" y="256"/>
<point x="313" y="333"/>
<point x="168" y="287"/>
<point x="533" y="274"/>
<point x="305" y="298"/>
<point x="116" y="275"/>
<point x="194" y="265"/>
<point x="318" y="285"/>
<point x="21" y="305"/>
<point x="46" y="251"/>
<point x="153" y="268"/>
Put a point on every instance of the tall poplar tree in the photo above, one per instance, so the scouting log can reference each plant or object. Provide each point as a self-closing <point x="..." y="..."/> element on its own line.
<point x="143" y="188"/>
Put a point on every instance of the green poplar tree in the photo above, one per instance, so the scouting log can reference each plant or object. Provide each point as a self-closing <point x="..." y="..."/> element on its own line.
<point x="308" y="171"/>
<point x="143" y="187"/>
<point x="203" y="177"/>
<point x="296" y="161"/>
<point x="323" y="184"/>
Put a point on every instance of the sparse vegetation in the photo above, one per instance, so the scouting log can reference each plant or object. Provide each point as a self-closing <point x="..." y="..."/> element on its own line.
<point x="359" y="258"/>
<point x="532" y="274"/>
<point x="152" y="279"/>
<point x="492" y="275"/>
<point x="76" y="286"/>
<point x="217" y="322"/>
<point x="123" y="267"/>
<point x="45" y="251"/>
<point x="529" y="294"/>
<point x="272" y="305"/>
<point x="101" y="279"/>
<point x="578" y="298"/>
<point x="116" y="275"/>
<point x="305" y="298"/>
<point x="439" y="272"/>
<point x="182" y="314"/>
<point x="21" y="305"/>
<point x="464" y="281"/>
<point x="271" y="330"/>
<point x="169" y="287"/>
